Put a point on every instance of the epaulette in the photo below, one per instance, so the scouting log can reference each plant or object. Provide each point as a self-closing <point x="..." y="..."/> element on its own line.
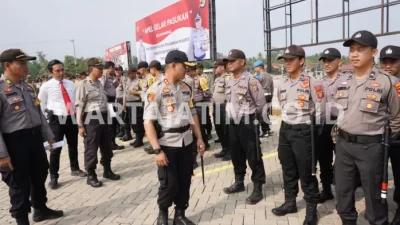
<point x="187" y="85"/>
<point x="159" y="82"/>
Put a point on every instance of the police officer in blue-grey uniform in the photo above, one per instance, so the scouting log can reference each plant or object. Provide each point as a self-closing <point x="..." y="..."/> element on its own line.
<point x="201" y="41"/>
<point x="23" y="160"/>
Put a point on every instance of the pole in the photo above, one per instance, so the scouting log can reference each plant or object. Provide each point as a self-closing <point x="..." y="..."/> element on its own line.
<point x="73" y="45"/>
<point x="312" y="23"/>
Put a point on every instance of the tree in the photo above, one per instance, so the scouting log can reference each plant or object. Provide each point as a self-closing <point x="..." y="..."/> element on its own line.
<point x="134" y="60"/>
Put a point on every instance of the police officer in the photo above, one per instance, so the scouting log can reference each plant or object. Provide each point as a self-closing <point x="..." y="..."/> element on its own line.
<point x="299" y="97"/>
<point x="133" y="107"/>
<point x="92" y="118"/>
<point x="208" y="125"/>
<point x="123" y="130"/>
<point x="267" y="82"/>
<point x="23" y="161"/>
<point x="110" y="82"/>
<point x="390" y="63"/>
<point x="219" y="101"/>
<point x="245" y="103"/>
<point x="169" y="103"/>
<point x="368" y="97"/>
<point x="332" y="60"/>
<point x="201" y="39"/>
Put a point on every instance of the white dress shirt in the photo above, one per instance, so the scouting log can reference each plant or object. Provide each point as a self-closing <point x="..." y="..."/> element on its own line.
<point x="51" y="97"/>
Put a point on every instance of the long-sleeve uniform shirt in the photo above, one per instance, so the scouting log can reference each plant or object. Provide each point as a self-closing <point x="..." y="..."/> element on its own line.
<point x="218" y="95"/>
<point x="121" y="87"/>
<point x="267" y="83"/>
<point x="149" y="80"/>
<point x="19" y="110"/>
<point x="201" y="91"/>
<point x="172" y="107"/>
<point x="368" y="103"/>
<point x="244" y="96"/>
<point x="329" y="85"/>
<point x="301" y="98"/>
<point x="132" y="84"/>
<point x="110" y="83"/>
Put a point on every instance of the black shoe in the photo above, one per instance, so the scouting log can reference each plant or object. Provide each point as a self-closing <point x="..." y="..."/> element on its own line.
<point x="117" y="147"/>
<point x="180" y="218"/>
<point x="46" y="214"/>
<point x="285" y="208"/>
<point x="209" y="136"/>
<point x="120" y="134"/>
<point x="109" y="174"/>
<point x="23" y="220"/>
<point x="138" y="143"/>
<point x="236" y="187"/>
<point x="162" y="218"/>
<point x="264" y="134"/>
<point x="93" y="181"/>
<point x="217" y="140"/>
<point x="226" y="157"/>
<point x="220" y="154"/>
<point x="78" y="173"/>
<point x="325" y="195"/>
<point x="396" y="219"/>
<point x="53" y="184"/>
<point x="126" y="138"/>
<point x="256" y="196"/>
<point x="311" y="214"/>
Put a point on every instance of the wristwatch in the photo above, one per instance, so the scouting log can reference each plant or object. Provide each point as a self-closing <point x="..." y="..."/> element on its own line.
<point x="156" y="151"/>
<point x="79" y="126"/>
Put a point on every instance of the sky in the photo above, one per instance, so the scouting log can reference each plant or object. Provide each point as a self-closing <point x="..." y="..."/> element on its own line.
<point x="95" y="25"/>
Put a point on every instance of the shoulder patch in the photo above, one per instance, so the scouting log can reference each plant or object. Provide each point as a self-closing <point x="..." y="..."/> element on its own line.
<point x="319" y="91"/>
<point x="151" y="97"/>
<point x="397" y="87"/>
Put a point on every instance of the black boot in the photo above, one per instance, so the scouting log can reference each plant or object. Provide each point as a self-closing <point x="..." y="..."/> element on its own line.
<point x="227" y="157"/>
<point x="311" y="214"/>
<point x="22" y="220"/>
<point x="109" y="174"/>
<point x="257" y="194"/>
<point x="220" y="154"/>
<point x="46" y="214"/>
<point x="139" y="141"/>
<point x="92" y="179"/>
<point x="289" y="206"/>
<point x="325" y="195"/>
<point x="236" y="187"/>
<point x="53" y="184"/>
<point x="127" y="137"/>
<point x="180" y="218"/>
<point x="396" y="219"/>
<point x="162" y="218"/>
<point x="121" y="133"/>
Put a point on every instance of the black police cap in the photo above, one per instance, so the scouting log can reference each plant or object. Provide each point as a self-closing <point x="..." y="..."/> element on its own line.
<point x="330" y="53"/>
<point x="362" y="37"/>
<point x="143" y="64"/>
<point x="176" y="56"/>
<point x="390" y="52"/>
<point x="11" y="55"/>
<point x="293" y="51"/>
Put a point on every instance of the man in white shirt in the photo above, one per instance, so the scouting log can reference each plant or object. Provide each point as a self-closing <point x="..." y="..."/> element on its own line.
<point x="57" y="99"/>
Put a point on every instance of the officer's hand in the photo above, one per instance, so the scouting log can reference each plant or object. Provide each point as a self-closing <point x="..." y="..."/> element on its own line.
<point x="161" y="159"/>
<point x="200" y="146"/>
<point x="6" y="163"/>
<point x="51" y="142"/>
<point x="82" y="132"/>
<point x="124" y="108"/>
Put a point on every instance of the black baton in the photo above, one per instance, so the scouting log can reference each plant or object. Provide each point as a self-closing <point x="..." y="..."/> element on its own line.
<point x="202" y="168"/>
<point x="385" y="143"/>
<point x="258" y="150"/>
<point x="313" y="166"/>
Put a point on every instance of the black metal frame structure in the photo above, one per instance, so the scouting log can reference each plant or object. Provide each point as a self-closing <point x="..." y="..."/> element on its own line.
<point x="345" y="14"/>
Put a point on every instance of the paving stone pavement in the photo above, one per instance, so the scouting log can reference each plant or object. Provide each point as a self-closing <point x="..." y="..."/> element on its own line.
<point x="132" y="200"/>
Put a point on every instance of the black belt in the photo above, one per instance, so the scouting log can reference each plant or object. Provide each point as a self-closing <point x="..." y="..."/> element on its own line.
<point x="177" y="129"/>
<point x="30" y="131"/>
<point x="360" y="139"/>
<point x="302" y="126"/>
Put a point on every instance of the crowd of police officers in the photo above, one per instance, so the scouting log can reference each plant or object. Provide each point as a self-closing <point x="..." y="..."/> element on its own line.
<point x="342" y="115"/>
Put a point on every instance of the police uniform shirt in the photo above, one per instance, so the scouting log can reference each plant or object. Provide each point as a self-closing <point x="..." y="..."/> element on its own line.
<point x="150" y="80"/>
<point x="189" y="81"/>
<point x="90" y="96"/>
<point x="172" y="107"/>
<point x="201" y="90"/>
<point x="218" y="95"/>
<point x="366" y="103"/>
<point x="244" y="96"/>
<point x="267" y="83"/>
<point x="298" y="99"/>
<point x="20" y="110"/>
<point x="132" y="84"/>
<point x="110" y="83"/>
<point x="328" y="85"/>
<point x="200" y="38"/>
<point x="120" y="88"/>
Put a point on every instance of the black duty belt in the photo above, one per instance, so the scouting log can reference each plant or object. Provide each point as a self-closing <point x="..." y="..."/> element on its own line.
<point x="360" y="139"/>
<point x="177" y="129"/>
<point x="302" y="126"/>
<point x="29" y="131"/>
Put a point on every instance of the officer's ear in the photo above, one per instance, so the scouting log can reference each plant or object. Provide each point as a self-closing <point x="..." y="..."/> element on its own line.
<point x="302" y="61"/>
<point x="374" y="52"/>
<point x="340" y="61"/>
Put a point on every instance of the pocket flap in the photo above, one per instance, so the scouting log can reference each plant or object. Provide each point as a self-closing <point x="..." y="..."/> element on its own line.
<point x="14" y="99"/>
<point x="367" y="105"/>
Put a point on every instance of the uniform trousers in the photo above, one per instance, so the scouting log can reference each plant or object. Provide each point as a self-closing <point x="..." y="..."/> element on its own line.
<point x="294" y="153"/>
<point x="243" y="144"/>
<point x="63" y="126"/>
<point x="368" y="158"/>
<point x="265" y="124"/>
<point x="203" y="123"/>
<point x="324" y="150"/>
<point x="114" y="124"/>
<point x="175" y="178"/>
<point x="97" y="136"/>
<point x="394" y="154"/>
<point x="25" y="148"/>
<point x="220" y="124"/>
<point x="125" y="125"/>
<point x="135" y="117"/>
<point x="208" y="121"/>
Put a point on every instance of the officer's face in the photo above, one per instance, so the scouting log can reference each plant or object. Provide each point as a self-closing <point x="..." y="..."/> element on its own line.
<point x="391" y="66"/>
<point x="132" y="75"/>
<point x="179" y="70"/>
<point x="331" y="65"/>
<point x="361" y="56"/>
<point x="218" y="70"/>
<point x="141" y="70"/>
<point x="257" y="69"/>
<point x="198" y="23"/>
<point x="58" y="72"/>
<point x="17" y="68"/>
<point x="199" y="71"/>
<point x="97" y="71"/>
<point x="294" y="64"/>
<point x="118" y="73"/>
<point x="235" y="65"/>
<point x="111" y="70"/>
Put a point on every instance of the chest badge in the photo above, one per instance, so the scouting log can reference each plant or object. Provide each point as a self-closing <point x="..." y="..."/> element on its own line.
<point x="7" y="90"/>
<point x="16" y="107"/>
<point x="300" y="104"/>
<point x="341" y="94"/>
<point x="302" y="97"/>
<point x="375" y="84"/>
<point x="371" y="96"/>
<point x="166" y="90"/>
<point x="170" y="100"/>
<point x="369" y="106"/>
<point x="170" y="108"/>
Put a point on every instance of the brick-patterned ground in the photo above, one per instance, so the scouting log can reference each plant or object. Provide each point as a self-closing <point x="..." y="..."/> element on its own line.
<point x="132" y="200"/>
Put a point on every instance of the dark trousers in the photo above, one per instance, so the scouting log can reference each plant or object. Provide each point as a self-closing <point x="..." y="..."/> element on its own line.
<point x="175" y="178"/>
<point x="70" y="131"/>
<point x="114" y="124"/>
<point x="122" y="127"/>
<point x="208" y="121"/>
<point x="220" y="124"/>
<point x="294" y="153"/>
<point x="135" y="118"/>
<point x="265" y="124"/>
<point x="324" y="149"/>
<point x="368" y="159"/>
<point x="243" y="145"/>
<point x="97" y="136"/>
<point x="203" y="124"/>
<point x="394" y="154"/>
<point x="25" y="148"/>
